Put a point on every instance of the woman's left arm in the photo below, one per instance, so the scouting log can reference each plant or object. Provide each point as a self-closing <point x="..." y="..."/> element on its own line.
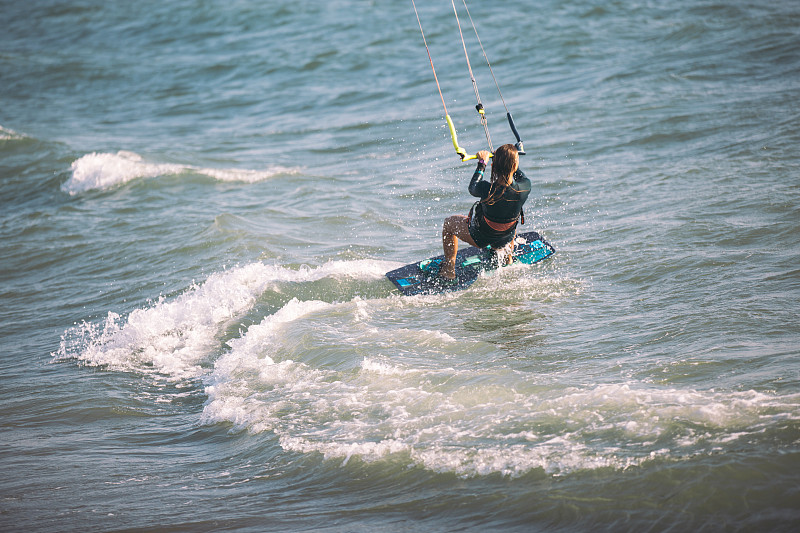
<point x="477" y="179"/>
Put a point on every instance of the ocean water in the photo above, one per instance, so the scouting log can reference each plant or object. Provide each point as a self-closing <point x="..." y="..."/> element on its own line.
<point x="198" y="203"/>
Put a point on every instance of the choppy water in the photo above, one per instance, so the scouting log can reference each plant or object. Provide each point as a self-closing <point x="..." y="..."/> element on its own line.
<point x="199" y="200"/>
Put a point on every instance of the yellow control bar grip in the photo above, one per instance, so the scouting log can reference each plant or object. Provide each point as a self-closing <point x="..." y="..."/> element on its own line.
<point x="460" y="151"/>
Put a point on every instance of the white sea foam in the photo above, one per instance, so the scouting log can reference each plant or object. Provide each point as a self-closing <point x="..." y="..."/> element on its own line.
<point x="175" y="337"/>
<point x="349" y="380"/>
<point x="10" y="135"/>
<point x="106" y="170"/>
<point x="383" y="367"/>
<point x="466" y="422"/>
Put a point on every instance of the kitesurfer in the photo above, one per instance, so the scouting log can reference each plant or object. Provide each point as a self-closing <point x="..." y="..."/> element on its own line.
<point x="493" y="219"/>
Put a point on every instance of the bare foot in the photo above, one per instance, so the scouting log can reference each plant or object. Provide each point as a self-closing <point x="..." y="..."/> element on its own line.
<point x="448" y="271"/>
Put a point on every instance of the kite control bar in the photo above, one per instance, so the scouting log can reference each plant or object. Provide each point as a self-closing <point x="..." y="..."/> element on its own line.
<point x="460" y="151"/>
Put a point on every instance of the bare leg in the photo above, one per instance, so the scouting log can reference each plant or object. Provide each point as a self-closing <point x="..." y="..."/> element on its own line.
<point x="455" y="227"/>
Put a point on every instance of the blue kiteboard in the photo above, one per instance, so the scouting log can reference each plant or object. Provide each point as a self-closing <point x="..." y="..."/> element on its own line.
<point x="423" y="277"/>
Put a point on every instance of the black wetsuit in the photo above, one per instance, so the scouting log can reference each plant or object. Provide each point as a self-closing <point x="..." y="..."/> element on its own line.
<point x="499" y="206"/>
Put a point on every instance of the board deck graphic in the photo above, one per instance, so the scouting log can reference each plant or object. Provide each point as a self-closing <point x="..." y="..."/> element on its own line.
<point x="423" y="277"/>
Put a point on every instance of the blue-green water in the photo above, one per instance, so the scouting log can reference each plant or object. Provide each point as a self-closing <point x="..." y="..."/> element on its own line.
<point x="198" y="202"/>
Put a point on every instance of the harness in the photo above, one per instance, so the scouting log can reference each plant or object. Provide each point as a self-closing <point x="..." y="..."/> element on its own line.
<point x="498" y="226"/>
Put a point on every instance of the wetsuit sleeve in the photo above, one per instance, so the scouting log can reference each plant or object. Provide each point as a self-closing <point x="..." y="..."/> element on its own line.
<point x="523" y="185"/>
<point x="478" y="187"/>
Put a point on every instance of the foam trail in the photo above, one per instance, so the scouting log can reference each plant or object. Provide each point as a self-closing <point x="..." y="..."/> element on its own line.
<point x="456" y="420"/>
<point x="101" y="171"/>
<point x="176" y="337"/>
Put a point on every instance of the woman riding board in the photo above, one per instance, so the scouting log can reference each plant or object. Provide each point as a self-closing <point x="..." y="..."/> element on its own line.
<point x="493" y="219"/>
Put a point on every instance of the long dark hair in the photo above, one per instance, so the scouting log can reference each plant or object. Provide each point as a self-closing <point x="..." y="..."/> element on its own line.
<point x="504" y="164"/>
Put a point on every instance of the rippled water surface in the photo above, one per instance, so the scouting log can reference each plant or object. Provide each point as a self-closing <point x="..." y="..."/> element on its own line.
<point x="199" y="201"/>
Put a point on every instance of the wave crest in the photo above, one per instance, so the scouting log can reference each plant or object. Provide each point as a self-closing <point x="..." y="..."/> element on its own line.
<point x="177" y="338"/>
<point x="103" y="171"/>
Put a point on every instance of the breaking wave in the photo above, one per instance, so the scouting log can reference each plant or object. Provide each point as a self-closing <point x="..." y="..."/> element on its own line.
<point x="102" y="171"/>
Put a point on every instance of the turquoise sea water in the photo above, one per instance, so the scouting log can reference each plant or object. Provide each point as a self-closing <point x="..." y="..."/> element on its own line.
<point x="198" y="202"/>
